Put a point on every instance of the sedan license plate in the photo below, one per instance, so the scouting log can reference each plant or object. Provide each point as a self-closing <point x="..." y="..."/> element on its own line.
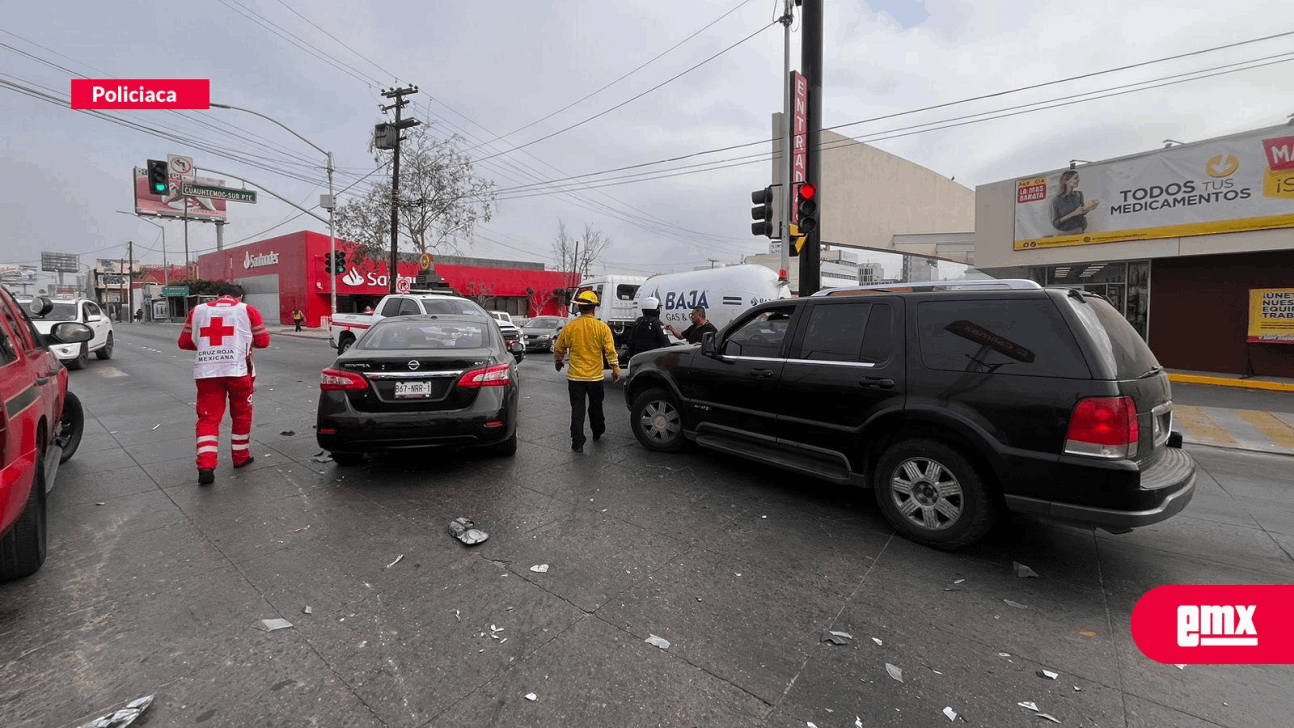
<point x="412" y="389"/>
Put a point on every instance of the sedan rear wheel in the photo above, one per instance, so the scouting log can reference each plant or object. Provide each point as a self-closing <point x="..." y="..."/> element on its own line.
<point x="82" y="358"/>
<point x="70" y="426"/>
<point x="657" y="421"/>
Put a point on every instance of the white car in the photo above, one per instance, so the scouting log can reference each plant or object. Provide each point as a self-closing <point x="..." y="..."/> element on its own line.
<point x="511" y="331"/>
<point x="85" y="311"/>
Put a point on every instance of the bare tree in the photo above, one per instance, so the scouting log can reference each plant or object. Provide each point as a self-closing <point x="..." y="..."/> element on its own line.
<point x="479" y="291"/>
<point x="440" y="202"/>
<point x="576" y="255"/>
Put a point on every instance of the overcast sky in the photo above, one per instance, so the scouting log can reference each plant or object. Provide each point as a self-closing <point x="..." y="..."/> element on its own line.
<point x="488" y="67"/>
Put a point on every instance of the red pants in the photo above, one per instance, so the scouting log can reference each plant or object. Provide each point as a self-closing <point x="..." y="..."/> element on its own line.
<point x="211" y="410"/>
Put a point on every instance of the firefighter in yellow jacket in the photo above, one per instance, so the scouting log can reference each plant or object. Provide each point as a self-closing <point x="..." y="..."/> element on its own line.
<point x="588" y="340"/>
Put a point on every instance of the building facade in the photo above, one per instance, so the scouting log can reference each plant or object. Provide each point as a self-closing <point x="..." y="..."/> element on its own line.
<point x="289" y="271"/>
<point x="1193" y="244"/>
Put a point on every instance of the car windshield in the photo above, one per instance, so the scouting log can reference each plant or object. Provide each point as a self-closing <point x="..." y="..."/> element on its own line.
<point x="544" y="322"/>
<point x="60" y="312"/>
<point x="426" y="335"/>
<point x="451" y="305"/>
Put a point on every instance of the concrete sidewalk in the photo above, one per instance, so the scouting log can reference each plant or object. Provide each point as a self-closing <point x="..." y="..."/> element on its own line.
<point x="289" y="330"/>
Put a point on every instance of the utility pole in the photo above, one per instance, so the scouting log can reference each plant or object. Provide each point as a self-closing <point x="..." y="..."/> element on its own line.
<point x="811" y="63"/>
<point x="398" y="94"/>
<point x="788" y="191"/>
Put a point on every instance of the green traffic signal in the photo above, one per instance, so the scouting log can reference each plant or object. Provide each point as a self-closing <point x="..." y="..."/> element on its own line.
<point x="159" y="177"/>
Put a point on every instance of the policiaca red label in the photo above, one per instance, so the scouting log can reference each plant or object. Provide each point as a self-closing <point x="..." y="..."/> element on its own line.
<point x="1230" y="624"/>
<point x="155" y="93"/>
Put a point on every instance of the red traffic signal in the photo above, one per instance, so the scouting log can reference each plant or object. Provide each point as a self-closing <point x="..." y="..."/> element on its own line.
<point x="807" y="206"/>
<point x="808" y="190"/>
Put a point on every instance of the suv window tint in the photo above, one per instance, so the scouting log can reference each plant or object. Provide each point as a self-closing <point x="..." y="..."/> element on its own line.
<point x="408" y="307"/>
<point x="878" y="343"/>
<point x="392" y="308"/>
<point x="1113" y="338"/>
<point x="761" y="335"/>
<point x="835" y="332"/>
<point x="1017" y="336"/>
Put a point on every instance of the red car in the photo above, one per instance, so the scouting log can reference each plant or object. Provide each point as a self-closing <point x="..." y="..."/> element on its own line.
<point x="40" y="427"/>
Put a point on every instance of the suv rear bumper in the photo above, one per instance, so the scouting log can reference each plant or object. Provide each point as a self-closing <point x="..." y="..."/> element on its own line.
<point x="1169" y="485"/>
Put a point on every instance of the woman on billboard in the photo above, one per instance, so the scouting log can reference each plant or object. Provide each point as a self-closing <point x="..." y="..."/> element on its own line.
<point x="1068" y="211"/>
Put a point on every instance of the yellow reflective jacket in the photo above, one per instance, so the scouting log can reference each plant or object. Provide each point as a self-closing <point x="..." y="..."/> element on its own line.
<point x="588" y="339"/>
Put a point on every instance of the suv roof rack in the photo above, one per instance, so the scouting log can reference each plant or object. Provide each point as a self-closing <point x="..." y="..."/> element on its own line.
<point x="1008" y="283"/>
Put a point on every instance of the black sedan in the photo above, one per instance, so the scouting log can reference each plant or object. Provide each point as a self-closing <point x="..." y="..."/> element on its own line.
<point x="421" y="381"/>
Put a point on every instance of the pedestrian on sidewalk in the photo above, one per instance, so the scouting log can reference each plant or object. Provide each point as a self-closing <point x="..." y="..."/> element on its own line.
<point x="223" y="333"/>
<point x="298" y="318"/>
<point x="590" y="343"/>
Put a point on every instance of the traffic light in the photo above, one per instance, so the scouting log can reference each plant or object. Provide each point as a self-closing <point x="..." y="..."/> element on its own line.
<point x="807" y="205"/>
<point x="339" y="261"/>
<point x="159" y="177"/>
<point x="762" y="212"/>
<point x="327" y="263"/>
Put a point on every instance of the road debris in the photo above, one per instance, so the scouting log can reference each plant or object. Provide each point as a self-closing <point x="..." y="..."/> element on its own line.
<point x="157" y="425"/>
<point x="858" y="722"/>
<point x="836" y="638"/>
<point x="1180" y="667"/>
<point x="876" y="640"/>
<point x="894" y="672"/>
<point x="322" y="457"/>
<point x="1088" y="633"/>
<point x="1023" y="571"/>
<point x="272" y="624"/>
<point x="123" y="717"/>
<point x="952" y="714"/>
<point x="465" y="531"/>
<point x="288" y="433"/>
<point x="532" y="697"/>
<point x="456" y="616"/>
<point x="1051" y="718"/>
<point x="393" y="563"/>
<point x="958" y="581"/>
<point x="660" y="642"/>
<point x="1004" y="654"/>
<point x="540" y="568"/>
<point x="303" y="528"/>
<point x="1048" y="674"/>
<point x="1029" y="705"/>
<point x="1017" y="605"/>
<point x="307" y="610"/>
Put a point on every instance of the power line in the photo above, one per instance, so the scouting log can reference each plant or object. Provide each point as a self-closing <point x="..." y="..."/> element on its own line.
<point x="301" y="43"/>
<point x="339" y="41"/>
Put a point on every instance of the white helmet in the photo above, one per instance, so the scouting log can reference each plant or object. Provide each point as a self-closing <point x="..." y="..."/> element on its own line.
<point x="651" y="303"/>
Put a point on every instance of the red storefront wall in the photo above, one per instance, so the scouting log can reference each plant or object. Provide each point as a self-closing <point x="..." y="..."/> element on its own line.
<point x="1199" y="312"/>
<point x="539" y="286"/>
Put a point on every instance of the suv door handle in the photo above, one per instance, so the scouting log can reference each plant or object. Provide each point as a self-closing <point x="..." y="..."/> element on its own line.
<point x="877" y="382"/>
<point x="765" y="373"/>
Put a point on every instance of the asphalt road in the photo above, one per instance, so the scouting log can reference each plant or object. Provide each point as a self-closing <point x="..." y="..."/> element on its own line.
<point x="155" y="586"/>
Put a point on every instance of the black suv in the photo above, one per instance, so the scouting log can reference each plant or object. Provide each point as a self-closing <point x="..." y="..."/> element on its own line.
<point x="954" y="401"/>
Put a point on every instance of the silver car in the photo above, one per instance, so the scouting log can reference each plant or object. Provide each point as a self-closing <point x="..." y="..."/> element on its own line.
<point x="541" y="331"/>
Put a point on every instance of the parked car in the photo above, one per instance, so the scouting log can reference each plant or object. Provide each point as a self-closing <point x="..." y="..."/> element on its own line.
<point x="954" y="402"/>
<point x="346" y="328"/>
<point x="541" y="331"/>
<point x="511" y="332"/>
<point x="40" y="427"/>
<point x="80" y="310"/>
<point x="421" y="381"/>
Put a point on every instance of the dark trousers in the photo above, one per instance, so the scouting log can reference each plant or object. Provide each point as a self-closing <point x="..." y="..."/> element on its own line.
<point x="594" y="392"/>
<point x="298" y="323"/>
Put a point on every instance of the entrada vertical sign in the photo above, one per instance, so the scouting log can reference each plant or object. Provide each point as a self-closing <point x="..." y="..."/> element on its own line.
<point x="154" y="93"/>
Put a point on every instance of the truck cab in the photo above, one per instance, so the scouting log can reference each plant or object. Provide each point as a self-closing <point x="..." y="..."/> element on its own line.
<point x="617" y="297"/>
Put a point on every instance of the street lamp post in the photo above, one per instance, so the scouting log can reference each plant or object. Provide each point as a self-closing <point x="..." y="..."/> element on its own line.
<point x="166" y="269"/>
<point x="332" y="201"/>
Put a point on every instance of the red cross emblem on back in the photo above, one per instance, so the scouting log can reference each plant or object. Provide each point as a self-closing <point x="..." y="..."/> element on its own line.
<point x="216" y="331"/>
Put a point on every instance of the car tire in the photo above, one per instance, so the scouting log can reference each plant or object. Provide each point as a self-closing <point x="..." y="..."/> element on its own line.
<point x="71" y="426"/>
<point x="22" y="550"/>
<point x="345" y="344"/>
<point x="82" y="357"/>
<point x="347" y="459"/>
<point x="504" y="449"/>
<point x="106" y="352"/>
<point x="657" y="421"/>
<point x="951" y="507"/>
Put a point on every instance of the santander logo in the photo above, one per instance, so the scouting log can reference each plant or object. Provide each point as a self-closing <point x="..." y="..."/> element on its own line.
<point x="353" y="278"/>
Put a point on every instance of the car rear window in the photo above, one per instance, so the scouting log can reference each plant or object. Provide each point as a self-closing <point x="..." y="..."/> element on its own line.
<point x="1012" y="336"/>
<point x="439" y="335"/>
<point x="1114" y="340"/>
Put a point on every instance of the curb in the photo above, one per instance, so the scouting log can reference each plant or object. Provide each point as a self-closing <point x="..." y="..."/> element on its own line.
<point x="1232" y="382"/>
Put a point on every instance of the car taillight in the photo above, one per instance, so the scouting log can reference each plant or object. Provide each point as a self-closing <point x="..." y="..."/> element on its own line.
<point x="337" y="379"/>
<point x="495" y="376"/>
<point x="1103" y="427"/>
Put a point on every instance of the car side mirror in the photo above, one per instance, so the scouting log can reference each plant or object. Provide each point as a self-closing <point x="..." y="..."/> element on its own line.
<point x="518" y="351"/>
<point x="40" y="306"/>
<point x="707" y="344"/>
<point x="93" y="317"/>
<point x="69" y="332"/>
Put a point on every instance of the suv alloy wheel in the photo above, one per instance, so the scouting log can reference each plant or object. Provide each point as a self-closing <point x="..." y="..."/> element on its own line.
<point x="657" y="422"/>
<point x="931" y="493"/>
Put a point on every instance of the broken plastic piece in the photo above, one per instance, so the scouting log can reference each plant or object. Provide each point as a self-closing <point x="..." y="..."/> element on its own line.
<point x="876" y="640"/>
<point x="531" y="697"/>
<point x="1030" y="705"/>
<point x="272" y="624"/>
<point x="858" y="722"/>
<point x="397" y="560"/>
<point x="894" y="672"/>
<point x="845" y="635"/>
<point x="834" y="638"/>
<point x="123" y="717"/>
<point x="1004" y="654"/>
<point x="1023" y="571"/>
<point x="660" y="642"/>
<point x="1051" y="718"/>
<point x="307" y="610"/>
<point x="1017" y="605"/>
<point x="1048" y="674"/>
<point x="463" y="530"/>
<point x="288" y="433"/>
<point x="322" y="457"/>
<point x="540" y="568"/>
<point x="959" y="581"/>
<point x="952" y="714"/>
<point x="1180" y="667"/>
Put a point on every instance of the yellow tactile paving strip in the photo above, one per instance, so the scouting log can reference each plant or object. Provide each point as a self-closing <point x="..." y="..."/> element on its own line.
<point x="1242" y="429"/>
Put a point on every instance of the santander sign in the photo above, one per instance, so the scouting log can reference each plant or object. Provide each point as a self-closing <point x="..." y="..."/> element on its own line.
<point x="371" y="279"/>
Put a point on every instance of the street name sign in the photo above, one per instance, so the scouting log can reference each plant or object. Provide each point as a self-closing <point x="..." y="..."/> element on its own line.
<point x="221" y="193"/>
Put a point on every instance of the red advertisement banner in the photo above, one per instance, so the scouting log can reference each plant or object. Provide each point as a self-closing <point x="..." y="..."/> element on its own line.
<point x="1228" y="624"/>
<point x="135" y="93"/>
